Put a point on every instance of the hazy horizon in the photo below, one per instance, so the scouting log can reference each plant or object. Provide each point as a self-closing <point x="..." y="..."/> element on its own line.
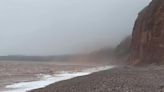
<point x="54" y="27"/>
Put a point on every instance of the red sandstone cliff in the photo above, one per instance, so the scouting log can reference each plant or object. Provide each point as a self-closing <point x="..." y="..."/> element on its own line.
<point x="148" y="35"/>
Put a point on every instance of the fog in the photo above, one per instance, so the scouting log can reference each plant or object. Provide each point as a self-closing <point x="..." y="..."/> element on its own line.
<point x="53" y="27"/>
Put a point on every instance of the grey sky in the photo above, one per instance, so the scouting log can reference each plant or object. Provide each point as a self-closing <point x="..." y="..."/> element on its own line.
<point x="50" y="27"/>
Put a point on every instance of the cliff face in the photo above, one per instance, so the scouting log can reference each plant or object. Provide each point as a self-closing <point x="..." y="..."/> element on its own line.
<point x="148" y="35"/>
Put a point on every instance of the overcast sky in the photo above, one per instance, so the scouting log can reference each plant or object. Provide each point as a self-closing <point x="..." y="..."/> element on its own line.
<point x="51" y="27"/>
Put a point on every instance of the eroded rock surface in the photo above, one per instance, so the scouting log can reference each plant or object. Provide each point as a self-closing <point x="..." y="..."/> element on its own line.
<point x="148" y="35"/>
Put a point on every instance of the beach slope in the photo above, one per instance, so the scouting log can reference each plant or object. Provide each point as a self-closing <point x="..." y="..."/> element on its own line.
<point x="123" y="79"/>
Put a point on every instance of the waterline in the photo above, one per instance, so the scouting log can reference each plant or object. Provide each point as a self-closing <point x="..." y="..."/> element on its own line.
<point x="46" y="80"/>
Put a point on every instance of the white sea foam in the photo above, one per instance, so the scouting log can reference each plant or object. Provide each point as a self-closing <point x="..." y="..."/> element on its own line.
<point x="49" y="79"/>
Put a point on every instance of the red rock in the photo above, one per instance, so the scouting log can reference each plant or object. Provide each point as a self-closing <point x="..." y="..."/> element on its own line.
<point x="148" y="35"/>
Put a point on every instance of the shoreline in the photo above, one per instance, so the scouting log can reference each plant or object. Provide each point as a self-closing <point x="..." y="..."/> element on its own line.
<point x="46" y="80"/>
<point x="119" y="79"/>
<point x="15" y="71"/>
